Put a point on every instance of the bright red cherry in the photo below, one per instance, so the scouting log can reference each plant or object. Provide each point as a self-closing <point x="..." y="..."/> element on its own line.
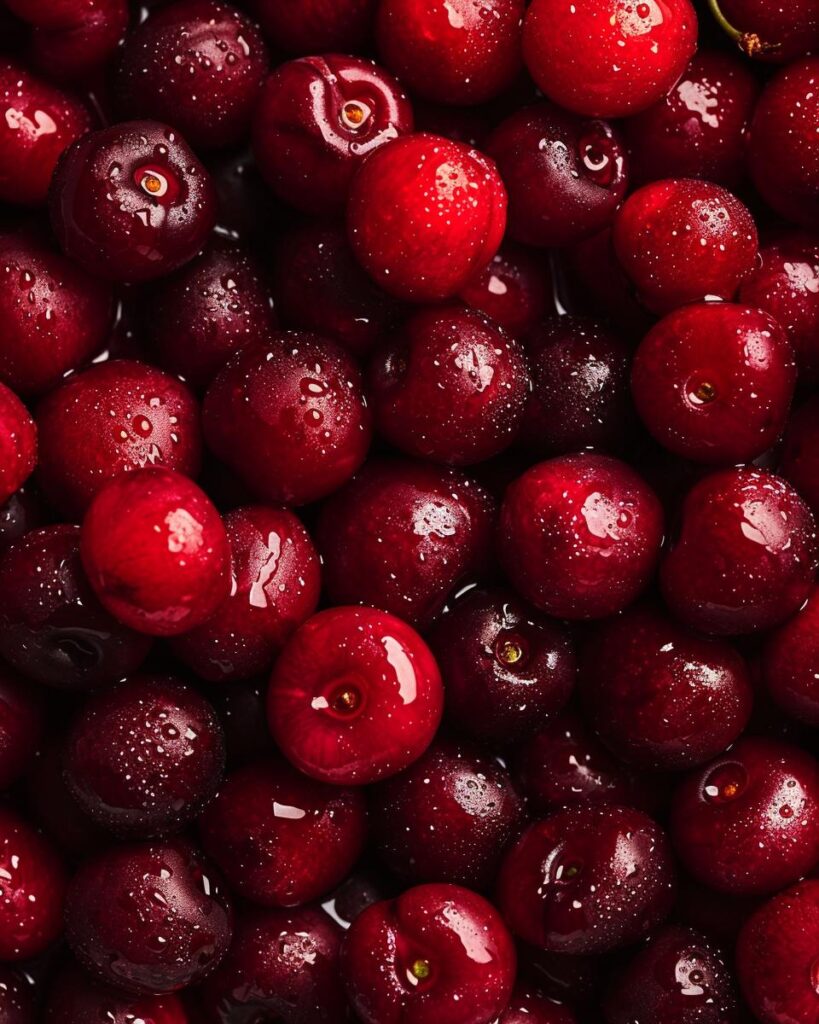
<point x="355" y="696"/>
<point x="76" y="999"/>
<point x="790" y="663"/>
<point x="514" y="289"/>
<point x="317" y="26"/>
<point x="22" y="726"/>
<point x="18" y="443"/>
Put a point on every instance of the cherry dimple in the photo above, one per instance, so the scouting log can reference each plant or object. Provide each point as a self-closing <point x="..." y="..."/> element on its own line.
<point x="725" y="784"/>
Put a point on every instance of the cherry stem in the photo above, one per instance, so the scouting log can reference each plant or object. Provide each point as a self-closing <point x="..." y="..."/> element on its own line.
<point x="723" y="22"/>
<point x="749" y="42"/>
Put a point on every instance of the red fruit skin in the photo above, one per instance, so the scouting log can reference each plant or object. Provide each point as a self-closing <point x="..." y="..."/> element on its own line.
<point x="282" y="963"/>
<point x="22" y="726"/>
<point x="699" y="130"/>
<point x="746" y="553"/>
<point x="316" y="120"/>
<point x="39" y="121"/>
<point x="683" y="240"/>
<point x="56" y="812"/>
<point x="579" y="536"/>
<point x="18" y="443"/>
<point x="514" y="289"/>
<point x="156" y="552"/>
<point x="781" y="39"/>
<point x="608" y="58"/>
<point x="784" y="143"/>
<point x="587" y="879"/>
<point x="276" y="581"/>
<point x="463" y="54"/>
<point x="424" y="215"/>
<point x="798" y="457"/>
<point x="790" y="664"/>
<point x="115" y="417"/>
<point x="355" y="696"/>
<point x="529" y="1006"/>
<point x="76" y="999"/>
<point x="17" y="1001"/>
<point x="23" y="511"/>
<point x="265" y="816"/>
<point x="316" y="26"/>
<point x="565" y="175"/>
<point x="456" y="932"/>
<point x="289" y="417"/>
<point x="748" y="823"/>
<point x="55" y="317"/>
<point x="713" y="382"/>
<point x="401" y="535"/>
<point x="33" y="890"/>
<point x="776" y="956"/>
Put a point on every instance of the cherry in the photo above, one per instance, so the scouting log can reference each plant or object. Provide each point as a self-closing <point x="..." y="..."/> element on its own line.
<point x="132" y="202"/>
<point x="507" y="669"/>
<point x="446" y="818"/>
<point x="528" y="1006"/>
<point x="758" y="29"/>
<point x="450" y="386"/>
<point x="355" y="696"/>
<point x="401" y="535"/>
<point x="17" y="1002"/>
<point x="745" y="556"/>
<point x="776" y="956"/>
<point x="465" y="53"/>
<point x="55" y="317"/>
<point x="713" y="382"/>
<point x="22" y="512"/>
<point x="799" y="453"/>
<point x="76" y="999"/>
<point x="275" y="587"/>
<point x="608" y="58"/>
<point x="282" y="966"/>
<point x="119" y="415"/>
<point x="53" y="628"/>
<point x="438" y="953"/>
<point x="289" y="417"/>
<point x="32" y="890"/>
<point x="316" y="120"/>
<point x="18" y="443"/>
<point x="316" y="26"/>
<point x="21" y="728"/>
<point x="791" y="663"/>
<point x="156" y="552"/>
<point x="514" y="289"/>
<point x="748" y="823"/>
<point x="565" y="174"/>
<point x="579" y="536"/>
<point x="424" y="215"/>
<point x="587" y="879"/>
<point x="682" y="240"/>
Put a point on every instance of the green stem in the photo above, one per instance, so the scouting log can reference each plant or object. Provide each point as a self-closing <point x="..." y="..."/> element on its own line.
<point x="723" y="22"/>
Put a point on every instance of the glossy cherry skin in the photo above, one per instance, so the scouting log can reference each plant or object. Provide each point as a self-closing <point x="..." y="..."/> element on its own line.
<point x="580" y="394"/>
<point x="565" y="174"/>
<point x="17" y="1002"/>
<point x="765" y="34"/>
<point x="745" y="556"/>
<point x="678" y="977"/>
<point x="464" y="53"/>
<point x="289" y="417"/>
<point x="528" y="1006"/>
<point x="608" y="58"/>
<point x="784" y="143"/>
<point x="132" y="202"/>
<point x="776" y="956"/>
<point x="401" y="535"/>
<point x="32" y="893"/>
<point x="317" y="118"/>
<point x="514" y="289"/>
<point x="25" y="510"/>
<point x="659" y="695"/>
<point x="38" y="122"/>
<point x="316" y="26"/>
<point x="54" y="629"/>
<point x="76" y="999"/>
<point x="681" y="240"/>
<point x="355" y="696"/>
<point x="115" y="417"/>
<point x="156" y="552"/>
<point x="507" y="669"/>
<point x="425" y="214"/>
<point x="55" y="317"/>
<point x="699" y="130"/>
<point x="439" y="954"/>
<point x="450" y="387"/>
<point x="798" y="457"/>
<point x="18" y="443"/>
<point x="283" y="965"/>
<point x="713" y="382"/>
<point x="579" y="536"/>
<point x="446" y="818"/>
<point x="264" y="819"/>
<point x="196" y="64"/>
<point x="790" y="664"/>
<point x="275" y="586"/>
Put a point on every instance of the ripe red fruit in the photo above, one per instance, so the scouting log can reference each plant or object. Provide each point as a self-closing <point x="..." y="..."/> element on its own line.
<point x="791" y="663"/>
<point x="765" y="31"/>
<point x="514" y="289"/>
<point x="800" y="452"/>
<point x="75" y="999"/>
<point x="18" y="443"/>
<point x="530" y="1006"/>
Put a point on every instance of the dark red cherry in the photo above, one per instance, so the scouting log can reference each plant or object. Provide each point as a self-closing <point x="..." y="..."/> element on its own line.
<point x="24" y="511"/>
<point x="17" y="997"/>
<point x="439" y="954"/>
<point x="790" y="665"/>
<point x="514" y="289"/>
<point x="355" y="696"/>
<point x="55" y="810"/>
<point x="758" y="29"/>
<point x="76" y="999"/>
<point x="798" y="457"/>
<point x="587" y="879"/>
<point x="132" y="202"/>
<point x="148" y="918"/>
<point x="746" y="553"/>
<point x="52" y="627"/>
<point x="529" y="1006"/>
<point x="748" y="823"/>
<point x="18" y="443"/>
<point x="401" y="535"/>
<point x="579" y="536"/>
<point x="316" y="26"/>
<point x="317" y="119"/>
<point x="565" y="174"/>
<point x="22" y="727"/>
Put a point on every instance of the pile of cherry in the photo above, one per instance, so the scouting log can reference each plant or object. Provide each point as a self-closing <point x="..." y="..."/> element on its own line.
<point x="409" y="466"/>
